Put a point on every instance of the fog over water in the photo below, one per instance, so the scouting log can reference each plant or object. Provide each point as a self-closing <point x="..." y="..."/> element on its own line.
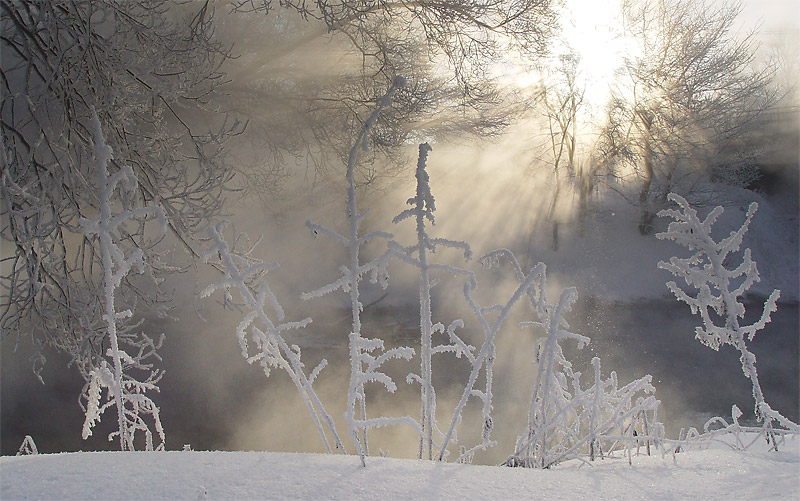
<point x="212" y="399"/>
<point x="487" y="195"/>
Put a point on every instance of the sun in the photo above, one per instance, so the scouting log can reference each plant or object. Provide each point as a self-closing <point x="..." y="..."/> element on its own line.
<point x="592" y="30"/>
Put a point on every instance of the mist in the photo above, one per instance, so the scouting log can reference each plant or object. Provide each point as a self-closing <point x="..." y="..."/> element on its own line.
<point x="213" y="400"/>
<point x="490" y="192"/>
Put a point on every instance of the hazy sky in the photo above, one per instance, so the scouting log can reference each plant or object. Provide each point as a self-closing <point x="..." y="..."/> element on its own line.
<point x="777" y="15"/>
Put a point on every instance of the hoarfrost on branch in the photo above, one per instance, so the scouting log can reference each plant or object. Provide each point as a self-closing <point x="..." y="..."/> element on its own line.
<point x="422" y="209"/>
<point x="366" y="354"/>
<point x="713" y="290"/>
<point x="124" y="392"/>
<point x="246" y="276"/>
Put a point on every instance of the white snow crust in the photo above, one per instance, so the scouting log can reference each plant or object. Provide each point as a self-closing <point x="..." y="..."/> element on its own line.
<point x="716" y="473"/>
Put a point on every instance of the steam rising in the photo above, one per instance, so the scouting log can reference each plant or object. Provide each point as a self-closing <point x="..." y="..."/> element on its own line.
<point x="487" y="194"/>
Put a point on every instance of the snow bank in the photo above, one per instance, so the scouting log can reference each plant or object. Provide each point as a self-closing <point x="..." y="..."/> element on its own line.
<point x="720" y="473"/>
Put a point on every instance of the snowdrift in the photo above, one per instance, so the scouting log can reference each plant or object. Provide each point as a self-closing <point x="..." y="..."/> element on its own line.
<point x="716" y="473"/>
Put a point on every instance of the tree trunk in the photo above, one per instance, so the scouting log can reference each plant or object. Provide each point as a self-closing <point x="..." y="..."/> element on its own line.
<point x="646" y="216"/>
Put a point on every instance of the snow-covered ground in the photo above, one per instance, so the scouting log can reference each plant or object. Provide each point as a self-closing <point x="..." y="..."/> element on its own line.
<point x="716" y="473"/>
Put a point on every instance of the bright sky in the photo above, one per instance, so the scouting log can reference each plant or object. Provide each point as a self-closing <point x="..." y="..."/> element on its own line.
<point x="592" y="28"/>
<point x="776" y="15"/>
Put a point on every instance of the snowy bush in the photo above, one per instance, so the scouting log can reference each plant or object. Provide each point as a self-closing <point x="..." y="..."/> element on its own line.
<point x="367" y="355"/>
<point x="734" y="435"/>
<point x="484" y="359"/>
<point x="422" y="209"/>
<point x="245" y="276"/>
<point x="713" y="288"/>
<point x="565" y="420"/>
<point x="612" y="415"/>
<point x="550" y="409"/>
<point x="129" y="351"/>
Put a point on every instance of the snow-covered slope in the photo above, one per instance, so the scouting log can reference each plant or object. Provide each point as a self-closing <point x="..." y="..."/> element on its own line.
<point x="720" y="473"/>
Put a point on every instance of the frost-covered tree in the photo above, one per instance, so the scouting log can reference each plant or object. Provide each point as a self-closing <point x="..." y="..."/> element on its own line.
<point x="156" y="69"/>
<point x="367" y="355"/>
<point x="465" y="37"/>
<point x="422" y="208"/>
<point x="562" y="100"/>
<point x="327" y="62"/>
<point x="129" y="351"/>
<point x="153" y="69"/>
<point x="692" y="93"/>
<point x="245" y="276"/>
<point x="714" y="287"/>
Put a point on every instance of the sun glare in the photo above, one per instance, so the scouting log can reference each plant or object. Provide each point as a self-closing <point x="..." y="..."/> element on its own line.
<point x="592" y="30"/>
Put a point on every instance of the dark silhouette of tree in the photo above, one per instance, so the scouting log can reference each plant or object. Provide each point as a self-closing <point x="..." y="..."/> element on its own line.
<point x="693" y="91"/>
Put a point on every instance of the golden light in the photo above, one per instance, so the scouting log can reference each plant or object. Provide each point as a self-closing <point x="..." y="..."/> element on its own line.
<point x="593" y="31"/>
<point x="589" y="29"/>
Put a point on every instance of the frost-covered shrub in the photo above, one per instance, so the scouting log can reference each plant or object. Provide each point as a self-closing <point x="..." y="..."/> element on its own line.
<point x="734" y="434"/>
<point x="367" y="355"/>
<point x="552" y="420"/>
<point x="713" y="289"/>
<point x="565" y="420"/>
<point x="421" y="210"/>
<point x="129" y="351"/>
<point x="483" y="360"/>
<point x="246" y="276"/>
<point x="616" y="418"/>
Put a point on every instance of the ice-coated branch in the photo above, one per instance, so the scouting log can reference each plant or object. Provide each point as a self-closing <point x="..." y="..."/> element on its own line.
<point x="550" y="395"/>
<point x="484" y="359"/>
<point x="713" y="291"/>
<point x="717" y="429"/>
<point x="421" y="210"/>
<point x="563" y="419"/>
<point x="364" y="367"/>
<point x="124" y="392"/>
<point x="246" y="277"/>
